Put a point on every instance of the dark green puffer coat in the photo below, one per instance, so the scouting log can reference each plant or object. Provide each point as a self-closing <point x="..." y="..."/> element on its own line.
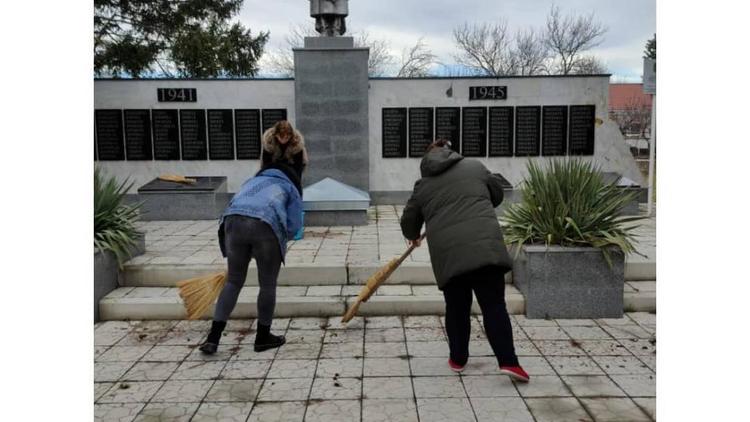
<point x="456" y="199"/>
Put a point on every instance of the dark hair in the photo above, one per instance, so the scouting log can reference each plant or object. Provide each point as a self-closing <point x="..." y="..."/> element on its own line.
<point x="438" y="143"/>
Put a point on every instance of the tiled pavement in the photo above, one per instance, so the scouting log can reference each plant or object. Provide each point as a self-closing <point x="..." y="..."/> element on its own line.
<point x="322" y="272"/>
<point x="376" y="369"/>
<point x="195" y="242"/>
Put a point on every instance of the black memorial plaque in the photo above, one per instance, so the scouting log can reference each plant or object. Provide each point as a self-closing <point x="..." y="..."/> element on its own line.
<point x="420" y="130"/>
<point x="394" y="132"/>
<point x="527" y="130"/>
<point x="247" y="130"/>
<point x="271" y="116"/>
<point x="193" y="134"/>
<point x="474" y="132"/>
<point x="554" y="130"/>
<point x="448" y="125"/>
<point x="166" y="134"/>
<point x="220" y="134"/>
<point x="581" y="131"/>
<point x="109" y="143"/>
<point x="138" y="135"/>
<point x="501" y="132"/>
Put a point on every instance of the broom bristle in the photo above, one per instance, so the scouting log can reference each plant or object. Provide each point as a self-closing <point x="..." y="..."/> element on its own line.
<point x="375" y="281"/>
<point x="351" y="312"/>
<point x="199" y="293"/>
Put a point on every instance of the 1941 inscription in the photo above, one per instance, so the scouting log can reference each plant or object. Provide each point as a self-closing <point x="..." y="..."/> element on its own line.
<point x="180" y="95"/>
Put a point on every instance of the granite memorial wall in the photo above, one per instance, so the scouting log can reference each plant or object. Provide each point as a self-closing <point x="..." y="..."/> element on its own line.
<point x="181" y="134"/>
<point x="502" y="131"/>
<point x="143" y="128"/>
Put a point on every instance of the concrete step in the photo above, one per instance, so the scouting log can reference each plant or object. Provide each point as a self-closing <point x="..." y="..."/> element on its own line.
<point x="154" y="303"/>
<point x="312" y="274"/>
<point x="166" y="275"/>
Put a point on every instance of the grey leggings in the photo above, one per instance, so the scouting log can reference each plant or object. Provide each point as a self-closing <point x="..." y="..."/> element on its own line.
<point x="248" y="238"/>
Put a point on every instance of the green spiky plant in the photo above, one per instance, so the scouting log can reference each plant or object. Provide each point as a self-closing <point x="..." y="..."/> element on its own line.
<point x="114" y="222"/>
<point x="569" y="204"/>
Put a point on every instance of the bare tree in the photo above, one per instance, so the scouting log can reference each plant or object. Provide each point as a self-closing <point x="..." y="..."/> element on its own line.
<point x="452" y="70"/>
<point x="589" y="65"/>
<point x="380" y="57"/>
<point x="634" y="119"/>
<point x="530" y="53"/>
<point x="485" y="48"/>
<point x="416" y="61"/>
<point x="281" y="60"/>
<point x="569" y="36"/>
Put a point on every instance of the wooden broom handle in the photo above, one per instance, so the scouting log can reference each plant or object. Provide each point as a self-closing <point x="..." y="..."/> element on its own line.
<point x="411" y="248"/>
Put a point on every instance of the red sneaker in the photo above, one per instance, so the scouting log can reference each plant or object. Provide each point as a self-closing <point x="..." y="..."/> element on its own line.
<point x="454" y="366"/>
<point x="515" y="372"/>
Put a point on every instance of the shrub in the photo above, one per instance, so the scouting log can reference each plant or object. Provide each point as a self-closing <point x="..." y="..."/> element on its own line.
<point x="569" y="204"/>
<point x="114" y="222"/>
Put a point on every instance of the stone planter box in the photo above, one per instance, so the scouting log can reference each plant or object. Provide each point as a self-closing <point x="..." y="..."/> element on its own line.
<point x="569" y="282"/>
<point x="107" y="274"/>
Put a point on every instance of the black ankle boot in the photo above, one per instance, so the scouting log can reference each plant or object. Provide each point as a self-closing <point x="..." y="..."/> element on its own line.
<point x="264" y="340"/>
<point x="212" y="341"/>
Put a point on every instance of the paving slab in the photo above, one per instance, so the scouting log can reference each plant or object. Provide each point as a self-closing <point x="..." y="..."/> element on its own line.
<point x="356" y="376"/>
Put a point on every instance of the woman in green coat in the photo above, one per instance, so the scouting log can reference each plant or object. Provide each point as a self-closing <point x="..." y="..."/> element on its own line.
<point x="456" y="200"/>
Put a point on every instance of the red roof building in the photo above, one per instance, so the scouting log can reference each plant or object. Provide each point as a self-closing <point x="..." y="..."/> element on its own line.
<point x="631" y="109"/>
<point x="620" y="95"/>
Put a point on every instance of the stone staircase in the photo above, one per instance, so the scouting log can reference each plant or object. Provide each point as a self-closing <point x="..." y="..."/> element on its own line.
<point x="320" y="290"/>
<point x="323" y="273"/>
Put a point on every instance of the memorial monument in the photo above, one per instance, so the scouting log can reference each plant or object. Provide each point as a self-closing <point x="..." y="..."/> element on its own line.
<point x="330" y="16"/>
<point x="331" y="108"/>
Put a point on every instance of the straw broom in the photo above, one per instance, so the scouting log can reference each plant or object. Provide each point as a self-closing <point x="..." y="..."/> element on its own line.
<point x="375" y="281"/>
<point x="199" y="293"/>
<point x="177" y="179"/>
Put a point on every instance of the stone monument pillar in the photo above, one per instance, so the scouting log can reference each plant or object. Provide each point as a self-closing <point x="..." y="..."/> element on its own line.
<point x="331" y="99"/>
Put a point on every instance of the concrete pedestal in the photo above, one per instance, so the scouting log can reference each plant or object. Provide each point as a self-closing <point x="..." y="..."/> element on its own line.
<point x="174" y="201"/>
<point x="331" y="104"/>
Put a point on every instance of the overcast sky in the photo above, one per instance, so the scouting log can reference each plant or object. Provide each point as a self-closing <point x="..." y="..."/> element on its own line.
<point x="402" y="22"/>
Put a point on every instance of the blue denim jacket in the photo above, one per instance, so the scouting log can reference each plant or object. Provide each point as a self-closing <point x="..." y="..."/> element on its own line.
<point x="272" y="198"/>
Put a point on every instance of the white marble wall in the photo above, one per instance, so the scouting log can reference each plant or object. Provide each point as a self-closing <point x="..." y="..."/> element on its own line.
<point x="386" y="174"/>
<point x="256" y="94"/>
<point x="399" y="174"/>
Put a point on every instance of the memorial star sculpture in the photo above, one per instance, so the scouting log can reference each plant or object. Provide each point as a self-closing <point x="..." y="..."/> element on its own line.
<point x="330" y="16"/>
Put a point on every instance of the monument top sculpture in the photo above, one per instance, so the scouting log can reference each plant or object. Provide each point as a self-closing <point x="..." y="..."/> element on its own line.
<point x="330" y="16"/>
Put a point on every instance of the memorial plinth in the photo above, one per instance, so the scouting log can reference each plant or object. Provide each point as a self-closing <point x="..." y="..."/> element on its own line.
<point x="332" y="203"/>
<point x="203" y="200"/>
<point x="331" y="101"/>
<point x="628" y="185"/>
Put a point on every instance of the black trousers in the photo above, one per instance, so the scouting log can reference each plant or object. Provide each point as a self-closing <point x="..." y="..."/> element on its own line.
<point x="489" y="286"/>
<point x="248" y="238"/>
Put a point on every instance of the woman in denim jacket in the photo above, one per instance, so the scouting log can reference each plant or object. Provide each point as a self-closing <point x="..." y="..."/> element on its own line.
<point x="259" y="220"/>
